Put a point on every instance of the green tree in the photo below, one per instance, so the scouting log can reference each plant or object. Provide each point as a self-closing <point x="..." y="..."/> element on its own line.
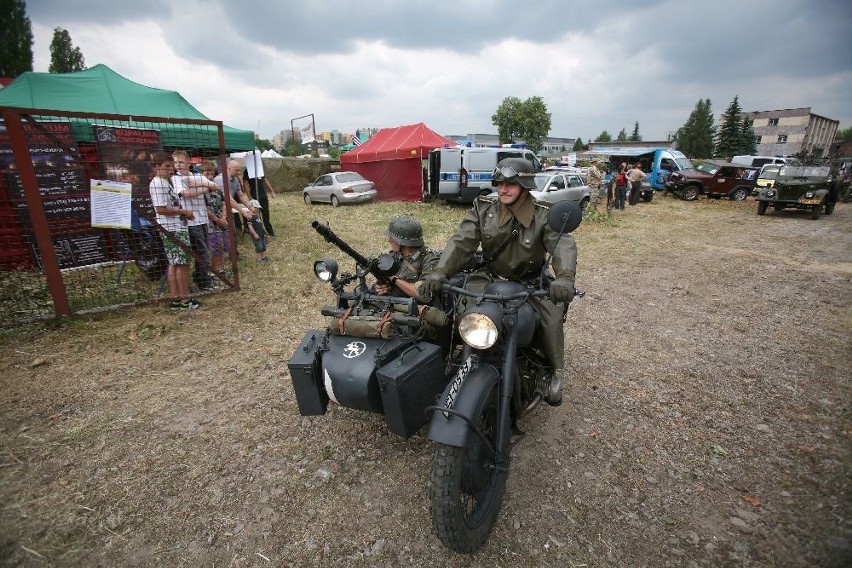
<point x="507" y="119"/>
<point x="695" y="137"/>
<point x="578" y="145"/>
<point x="748" y="139"/>
<point x="292" y="148"/>
<point x="262" y="144"/>
<point x="622" y="136"/>
<point x="64" y="57"/>
<point x="729" y="136"/>
<point x="604" y="137"/>
<point x="526" y="120"/>
<point x="16" y="39"/>
<point x="635" y="136"/>
<point x="843" y="134"/>
<point x="334" y="152"/>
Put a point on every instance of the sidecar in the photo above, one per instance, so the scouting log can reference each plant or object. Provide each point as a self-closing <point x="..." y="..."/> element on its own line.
<point x="397" y="377"/>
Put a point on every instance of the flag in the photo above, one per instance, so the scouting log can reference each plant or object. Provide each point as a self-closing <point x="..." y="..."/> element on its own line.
<point x="356" y="138"/>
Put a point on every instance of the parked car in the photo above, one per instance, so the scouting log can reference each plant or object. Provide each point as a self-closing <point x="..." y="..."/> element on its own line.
<point x="800" y="187"/>
<point x="715" y="179"/>
<point x="556" y="186"/>
<point x="767" y="176"/>
<point x="339" y="188"/>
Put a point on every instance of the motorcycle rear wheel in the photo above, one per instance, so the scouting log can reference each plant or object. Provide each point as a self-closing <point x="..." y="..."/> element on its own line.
<point x="465" y="489"/>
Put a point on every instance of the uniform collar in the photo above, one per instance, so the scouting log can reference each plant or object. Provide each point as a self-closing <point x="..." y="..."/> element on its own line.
<point x="524" y="214"/>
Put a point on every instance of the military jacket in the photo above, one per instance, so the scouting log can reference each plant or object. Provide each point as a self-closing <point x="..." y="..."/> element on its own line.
<point x="595" y="177"/>
<point x="413" y="266"/>
<point x="530" y="238"/>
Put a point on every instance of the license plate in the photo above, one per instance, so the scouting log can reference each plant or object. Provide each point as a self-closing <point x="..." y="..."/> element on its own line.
<point x="811" y="201"/>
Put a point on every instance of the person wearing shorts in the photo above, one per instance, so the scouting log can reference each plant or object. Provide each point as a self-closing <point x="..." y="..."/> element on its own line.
<point x="217" y="224"/>
<point x="173" y="219"/>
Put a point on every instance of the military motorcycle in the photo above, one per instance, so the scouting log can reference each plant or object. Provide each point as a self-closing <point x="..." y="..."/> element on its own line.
<point x="466" y="364"/>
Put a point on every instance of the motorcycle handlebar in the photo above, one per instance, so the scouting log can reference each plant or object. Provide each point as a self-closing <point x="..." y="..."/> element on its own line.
<point x="401" y="319"/>
<point x="501" y="298"/>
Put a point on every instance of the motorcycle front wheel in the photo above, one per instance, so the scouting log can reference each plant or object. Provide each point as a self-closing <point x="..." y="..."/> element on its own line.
<point x="466" y="489"/>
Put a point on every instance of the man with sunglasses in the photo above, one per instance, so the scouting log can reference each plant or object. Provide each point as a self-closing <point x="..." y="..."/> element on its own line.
<point x="516" y="239"/>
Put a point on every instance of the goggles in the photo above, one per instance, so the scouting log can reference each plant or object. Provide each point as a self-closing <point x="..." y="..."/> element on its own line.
<point x="510" y="172"/>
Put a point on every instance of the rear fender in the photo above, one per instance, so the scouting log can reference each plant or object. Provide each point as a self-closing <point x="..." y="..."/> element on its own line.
<point x="467" y="401"/>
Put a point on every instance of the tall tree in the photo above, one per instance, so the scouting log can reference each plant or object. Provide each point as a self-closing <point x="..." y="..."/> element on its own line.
<point x="526" y="120"/>
<point x="16" y="39"/>
<point x="695" y="137"/>
<point x="634" y="136"/>
<point x="507" y="119"/>
<point x="604" y="137"/>
<point x="730" y="132"/>
<point x="64" y="57"/>
<point x="748" y="139"/>
<point x="622" y="136"/>
<point x="578" y="145"/>
<point x="843" y="134"/>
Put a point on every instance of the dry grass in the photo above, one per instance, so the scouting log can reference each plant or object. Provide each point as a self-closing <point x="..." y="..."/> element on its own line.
<point x="709" y="364"/>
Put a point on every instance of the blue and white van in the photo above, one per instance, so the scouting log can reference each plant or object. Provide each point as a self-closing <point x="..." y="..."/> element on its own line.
<point x="461" y="173"/>
<point x="657" y="163"/>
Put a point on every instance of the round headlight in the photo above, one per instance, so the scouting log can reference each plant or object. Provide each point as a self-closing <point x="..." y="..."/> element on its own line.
<point x="809" y="194"/>
<point x="325" y="270"/>
<point x="770" y="193"/>
<point x="478" y="330"/>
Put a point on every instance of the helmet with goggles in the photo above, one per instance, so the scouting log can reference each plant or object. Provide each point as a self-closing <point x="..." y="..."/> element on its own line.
<point x="517" y="170"/>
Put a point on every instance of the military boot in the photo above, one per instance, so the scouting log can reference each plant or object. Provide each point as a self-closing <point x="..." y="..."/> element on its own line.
<point x="554" y="391"/>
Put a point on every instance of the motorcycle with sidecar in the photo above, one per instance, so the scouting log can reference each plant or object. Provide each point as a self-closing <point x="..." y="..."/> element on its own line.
<point x="466" y="364"/>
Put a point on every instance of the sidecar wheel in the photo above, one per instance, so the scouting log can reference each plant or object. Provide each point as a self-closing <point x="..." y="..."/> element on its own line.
<point x="465" y="489"/>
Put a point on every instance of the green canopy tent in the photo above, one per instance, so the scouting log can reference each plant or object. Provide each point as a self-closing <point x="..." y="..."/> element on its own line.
<point x="99" y="89"/>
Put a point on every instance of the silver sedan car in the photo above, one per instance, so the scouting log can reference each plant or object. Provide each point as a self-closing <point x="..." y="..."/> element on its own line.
<point x="339" y="188"/>
<point x="556" y="186"/>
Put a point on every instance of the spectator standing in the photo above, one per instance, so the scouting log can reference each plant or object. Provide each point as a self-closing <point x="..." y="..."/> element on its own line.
<point x="193" y="189"/>
<point x="259" y="188"/>
<point x="172" y="217"/>
<point x="635" y="176"/>
<point x="217" y="227"/>
<point x="595" y="177"/>
<point x="621" y="185"/>
<point x="238" y="196"/>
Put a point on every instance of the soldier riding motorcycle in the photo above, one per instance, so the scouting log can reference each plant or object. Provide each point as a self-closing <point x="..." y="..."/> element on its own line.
<point x="474" y="382"/>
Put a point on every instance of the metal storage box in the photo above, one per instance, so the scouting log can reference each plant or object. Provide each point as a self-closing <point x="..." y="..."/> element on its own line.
<point x="408" y="384"/>
<point x="305" y="372"/>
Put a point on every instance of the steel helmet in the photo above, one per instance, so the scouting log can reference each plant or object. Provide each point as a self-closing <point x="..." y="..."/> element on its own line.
<point x="518" y="170"/>
<point x="406" y="230"/>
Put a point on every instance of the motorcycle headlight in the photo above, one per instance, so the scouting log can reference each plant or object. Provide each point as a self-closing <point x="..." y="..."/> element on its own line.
<point x="326" y="270"/>
<point x="478" y="330"/>
<point x="770" y="193"/>
<point x="809" y="194"/>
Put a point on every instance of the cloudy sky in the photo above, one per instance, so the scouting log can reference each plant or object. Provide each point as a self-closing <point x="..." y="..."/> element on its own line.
<point x="598" y="65"/>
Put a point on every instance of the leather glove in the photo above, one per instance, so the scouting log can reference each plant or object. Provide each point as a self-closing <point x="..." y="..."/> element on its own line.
<point x="432" y="283"/>
<point x="561" y="290"/>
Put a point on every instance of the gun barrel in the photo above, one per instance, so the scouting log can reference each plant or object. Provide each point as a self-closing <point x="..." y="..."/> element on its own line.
<point x="329" y="236"/>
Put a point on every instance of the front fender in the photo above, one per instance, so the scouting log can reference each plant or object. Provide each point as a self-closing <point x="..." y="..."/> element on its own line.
<point x="467" y="401"/>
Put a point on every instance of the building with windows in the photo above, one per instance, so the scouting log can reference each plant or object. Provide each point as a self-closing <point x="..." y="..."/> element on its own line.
<point x="551" y="145"/>
<point x="793" y="132"/>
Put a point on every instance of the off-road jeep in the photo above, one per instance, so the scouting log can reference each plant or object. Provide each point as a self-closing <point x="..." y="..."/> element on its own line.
<point x="802" y="187"/>
<point x="714" y="179"/>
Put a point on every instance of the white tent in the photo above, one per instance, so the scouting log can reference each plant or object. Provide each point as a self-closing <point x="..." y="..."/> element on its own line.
<point x="270" y="154"/>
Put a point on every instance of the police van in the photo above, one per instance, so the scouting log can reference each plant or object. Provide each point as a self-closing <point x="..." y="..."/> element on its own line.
<point x="461" y="173"/>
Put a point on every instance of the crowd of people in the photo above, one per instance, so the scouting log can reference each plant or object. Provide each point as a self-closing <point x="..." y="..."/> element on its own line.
<point x="190" y="207"/>
<point x="624" y="187"/>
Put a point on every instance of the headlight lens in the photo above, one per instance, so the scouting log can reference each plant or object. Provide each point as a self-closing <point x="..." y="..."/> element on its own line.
<point x="809" y="194"/>
<point x="770" y="193"/>
<point x="325" y="270"/>
<point x="478" y="330"/>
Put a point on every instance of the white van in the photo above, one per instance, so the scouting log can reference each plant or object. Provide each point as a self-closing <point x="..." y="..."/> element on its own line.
<point x="758" y="161"/>
<point x="460" y="173"/>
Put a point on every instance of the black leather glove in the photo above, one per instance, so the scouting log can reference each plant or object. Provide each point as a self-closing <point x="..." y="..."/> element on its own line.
<point x="561" y="290"/>
<point x="432" y="283"/>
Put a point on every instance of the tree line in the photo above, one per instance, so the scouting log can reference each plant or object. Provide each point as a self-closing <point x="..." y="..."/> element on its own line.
<point x="16" y="44"/>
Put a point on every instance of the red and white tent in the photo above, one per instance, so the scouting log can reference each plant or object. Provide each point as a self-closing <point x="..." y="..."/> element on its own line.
<point x="393" y="159"/>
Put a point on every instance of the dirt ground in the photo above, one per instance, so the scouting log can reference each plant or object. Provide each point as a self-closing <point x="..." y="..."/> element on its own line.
<point x="706" y="419"/>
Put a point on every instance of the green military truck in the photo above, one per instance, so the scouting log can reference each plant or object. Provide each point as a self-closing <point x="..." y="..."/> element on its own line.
<point x="800" y="187"/>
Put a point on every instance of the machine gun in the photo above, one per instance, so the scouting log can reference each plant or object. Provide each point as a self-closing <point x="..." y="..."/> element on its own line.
<point x="382" y="267"/>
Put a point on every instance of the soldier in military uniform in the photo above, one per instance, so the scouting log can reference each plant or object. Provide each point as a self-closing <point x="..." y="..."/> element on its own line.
<point x="405" y="235"/>
<point x="595" y="177"/>
<point x="515" y="237"/>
